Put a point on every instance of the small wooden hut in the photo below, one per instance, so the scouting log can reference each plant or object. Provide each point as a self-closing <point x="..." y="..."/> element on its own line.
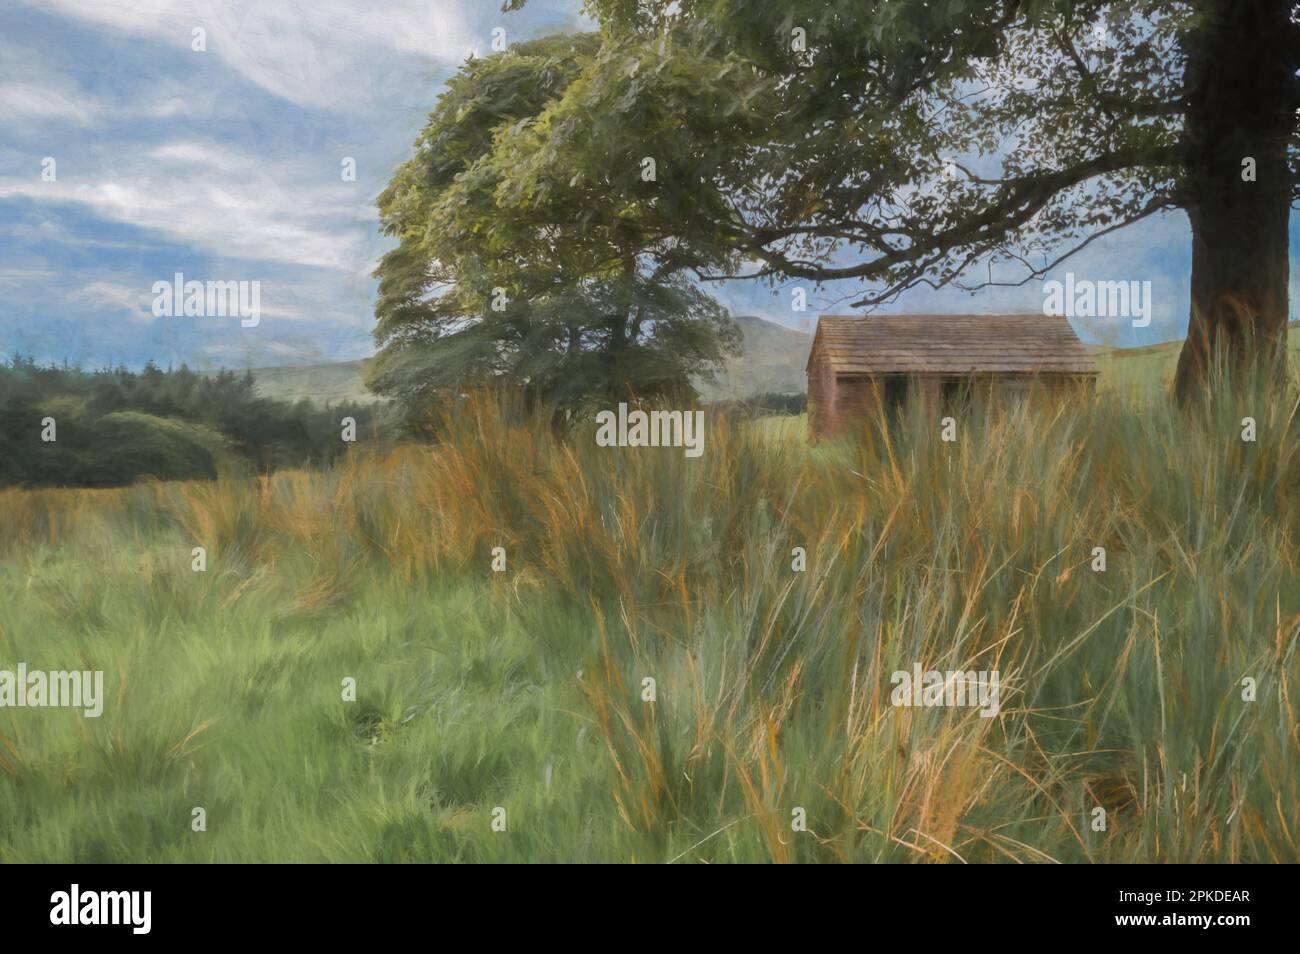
<point x="857" y="361"/>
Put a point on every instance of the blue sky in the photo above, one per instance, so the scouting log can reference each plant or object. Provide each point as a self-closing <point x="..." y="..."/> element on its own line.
<point x="225" y="165"/>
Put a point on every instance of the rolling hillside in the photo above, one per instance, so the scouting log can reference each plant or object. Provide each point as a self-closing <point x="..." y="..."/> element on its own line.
<point x="1141" y="370"/>
<point x="773" y="361"/>
<point x="318" y="383"/>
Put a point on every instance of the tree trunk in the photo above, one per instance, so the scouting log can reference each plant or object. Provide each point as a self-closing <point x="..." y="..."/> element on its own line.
<point x="618" y="384"/>
<point x="1239" y="87"/>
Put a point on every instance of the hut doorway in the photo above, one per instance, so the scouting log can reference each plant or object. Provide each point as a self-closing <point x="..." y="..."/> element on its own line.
<point x="956" y="394"/>
<point x="893" y="393"/>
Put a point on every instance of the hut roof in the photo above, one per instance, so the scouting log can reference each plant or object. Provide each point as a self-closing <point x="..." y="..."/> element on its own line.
<point x="950" y="345"/>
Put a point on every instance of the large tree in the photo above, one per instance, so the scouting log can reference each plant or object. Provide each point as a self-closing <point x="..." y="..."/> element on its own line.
<point x="504" y="270"/>
<point x="956" y="142"/>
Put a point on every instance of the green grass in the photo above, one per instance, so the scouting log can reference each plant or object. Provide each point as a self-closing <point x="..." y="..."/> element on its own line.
<point x="224" y="691"/>
<point x="523" y="689"/>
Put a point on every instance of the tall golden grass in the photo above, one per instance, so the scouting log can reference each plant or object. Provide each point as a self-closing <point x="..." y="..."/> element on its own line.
<point x="1122" y="689"/>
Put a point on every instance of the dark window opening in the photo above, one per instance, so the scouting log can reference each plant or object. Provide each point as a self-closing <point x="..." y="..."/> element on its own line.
<point x="956" y="394"/>
<point x="893" y="392"/>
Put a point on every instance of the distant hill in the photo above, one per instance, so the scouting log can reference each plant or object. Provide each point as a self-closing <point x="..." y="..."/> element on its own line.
<point x="773" y="361"/>
<point x="318" y="383"/>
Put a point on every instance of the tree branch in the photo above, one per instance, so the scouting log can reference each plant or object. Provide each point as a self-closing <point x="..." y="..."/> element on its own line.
<point x="1022" y="200"/>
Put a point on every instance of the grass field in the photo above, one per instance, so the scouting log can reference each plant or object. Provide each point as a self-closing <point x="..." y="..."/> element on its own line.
<point x="524" y="689"/>
<point x="1145" y="373"/>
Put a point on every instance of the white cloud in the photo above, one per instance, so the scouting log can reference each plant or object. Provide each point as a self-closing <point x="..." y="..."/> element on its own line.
<point x="180" y="160"/>
<point x="135" y="302"/>
<point x="221" y="200"/>
<point x="321" y="54"/>
<point x="21" y="102"/>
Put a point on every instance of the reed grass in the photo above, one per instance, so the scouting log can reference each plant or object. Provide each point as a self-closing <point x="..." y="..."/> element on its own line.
<point x="1122" y="689"/>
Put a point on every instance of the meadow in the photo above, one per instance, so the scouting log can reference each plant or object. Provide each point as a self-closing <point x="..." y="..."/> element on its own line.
<point x="524" y="689"/>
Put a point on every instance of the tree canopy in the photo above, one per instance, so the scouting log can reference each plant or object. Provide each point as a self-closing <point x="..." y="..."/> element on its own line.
<point x="964" y="143"/>
<point x="504" y="268"/>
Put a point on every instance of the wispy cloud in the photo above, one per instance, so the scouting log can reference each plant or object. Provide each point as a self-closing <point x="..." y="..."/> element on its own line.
<point x="213" y="197"/>
<point x="26" y="101"/>
<point x="322" y="54"/>
<point x="133" y="303"/>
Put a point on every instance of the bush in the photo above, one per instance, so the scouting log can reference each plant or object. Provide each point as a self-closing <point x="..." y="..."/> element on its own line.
<point x="116" y="426"/>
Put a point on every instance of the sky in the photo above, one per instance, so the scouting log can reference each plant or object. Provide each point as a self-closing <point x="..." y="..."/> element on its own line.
<point x="225" y="163"/>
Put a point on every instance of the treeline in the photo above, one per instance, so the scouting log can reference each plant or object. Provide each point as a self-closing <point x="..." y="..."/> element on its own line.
<point x="63" y="426"/>
<point x="766" y="404"/>
<point x="774" y="402"/>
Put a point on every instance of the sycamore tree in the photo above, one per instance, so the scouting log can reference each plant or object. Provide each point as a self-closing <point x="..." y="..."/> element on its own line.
<point x="962" y="143"/>
<point x="504" y="270"/>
